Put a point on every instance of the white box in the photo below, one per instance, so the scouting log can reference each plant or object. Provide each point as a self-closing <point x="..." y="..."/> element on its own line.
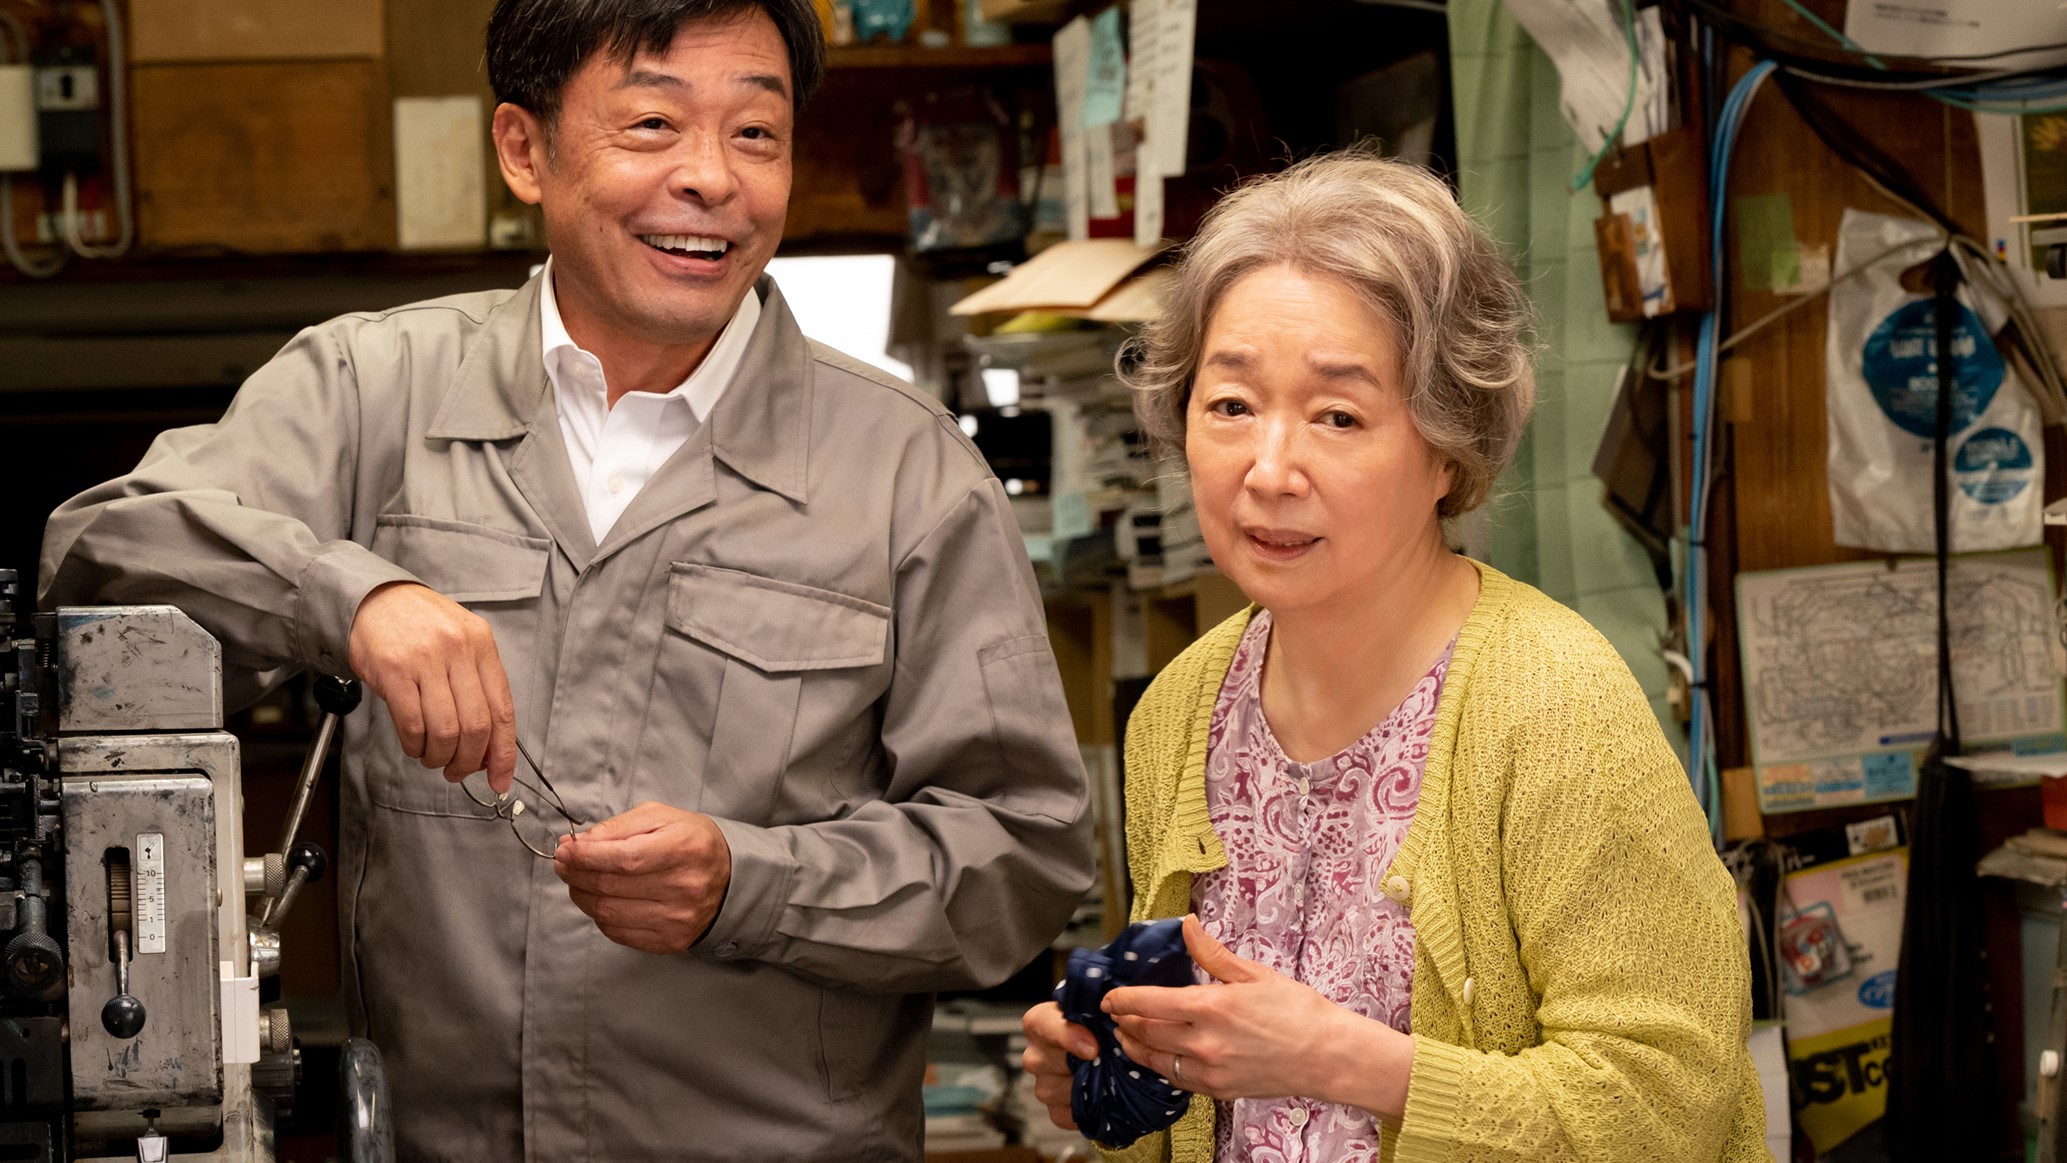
<point x="441" y="195"/>
<point x="17" y="118"/>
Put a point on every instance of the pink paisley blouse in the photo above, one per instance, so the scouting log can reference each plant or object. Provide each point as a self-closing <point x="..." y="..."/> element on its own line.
<point x="1307" y="845"/>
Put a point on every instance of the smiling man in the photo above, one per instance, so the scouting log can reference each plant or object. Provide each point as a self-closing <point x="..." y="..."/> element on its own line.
<point x="756" y="611"/>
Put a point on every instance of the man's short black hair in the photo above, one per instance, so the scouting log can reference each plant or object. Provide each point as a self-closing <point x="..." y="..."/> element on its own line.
<point x="534" y="46"/>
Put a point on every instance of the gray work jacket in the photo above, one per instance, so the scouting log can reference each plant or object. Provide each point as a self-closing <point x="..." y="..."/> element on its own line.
<point x="816" y="623"/>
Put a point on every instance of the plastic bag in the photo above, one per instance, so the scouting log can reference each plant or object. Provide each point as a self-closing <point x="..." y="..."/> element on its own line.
<point x="1882" y="391"/>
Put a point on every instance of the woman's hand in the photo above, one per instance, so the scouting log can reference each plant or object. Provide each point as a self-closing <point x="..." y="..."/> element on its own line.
<point x="1260" y="1034"/>
<point x="1050" y="1039"/>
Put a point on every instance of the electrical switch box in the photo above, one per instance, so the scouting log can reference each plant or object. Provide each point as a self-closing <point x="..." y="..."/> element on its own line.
<point x="68" y="112"/>
<point x="17" y="119"/>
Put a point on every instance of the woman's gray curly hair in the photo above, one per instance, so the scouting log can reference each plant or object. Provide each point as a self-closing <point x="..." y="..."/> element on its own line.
<point x="1393" y="233"/>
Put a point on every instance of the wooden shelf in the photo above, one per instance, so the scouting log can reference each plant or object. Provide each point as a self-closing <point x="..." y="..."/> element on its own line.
<point x="1029" y="11"/>
<point x="905" y="56"/>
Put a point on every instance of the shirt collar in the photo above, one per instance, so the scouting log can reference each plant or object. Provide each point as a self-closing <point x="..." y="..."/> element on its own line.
<point x="704" y="385"/>
<point x="552" y="330"/>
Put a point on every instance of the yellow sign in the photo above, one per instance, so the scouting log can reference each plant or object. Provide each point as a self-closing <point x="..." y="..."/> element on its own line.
<point x="1842" y="1078"/>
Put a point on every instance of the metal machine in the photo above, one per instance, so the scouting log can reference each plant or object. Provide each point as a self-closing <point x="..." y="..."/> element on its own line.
<point x="134" y="931"/>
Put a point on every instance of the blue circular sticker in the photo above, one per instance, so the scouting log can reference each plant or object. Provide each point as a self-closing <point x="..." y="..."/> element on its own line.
<point x="1878" y="991"/>
<point x="1993" y="465"/>
<point x="1901" y="367"/>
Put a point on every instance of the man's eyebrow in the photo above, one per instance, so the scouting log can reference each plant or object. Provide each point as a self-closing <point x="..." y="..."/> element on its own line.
<point x="768" y="81"/>
<point x="648" y="79"/>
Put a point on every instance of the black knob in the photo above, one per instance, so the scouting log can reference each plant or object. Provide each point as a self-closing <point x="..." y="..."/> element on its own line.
<point x="34" y="963"/>
<point x="310" y="858"/>
<point x="123" y="1016"/>
<point x="338" y="696"/>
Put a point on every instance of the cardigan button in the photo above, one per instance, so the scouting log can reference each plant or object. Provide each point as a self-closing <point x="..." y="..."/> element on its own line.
<point x="1397" y="888"/>
<point x="1467" y="991"/>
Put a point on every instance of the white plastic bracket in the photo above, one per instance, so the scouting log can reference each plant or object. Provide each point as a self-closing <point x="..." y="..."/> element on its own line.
<point x="239" y="1016"/>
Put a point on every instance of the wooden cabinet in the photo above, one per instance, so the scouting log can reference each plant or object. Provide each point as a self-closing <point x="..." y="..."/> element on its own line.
<point x="264" y="158"/>
<point x="253" y="30"/>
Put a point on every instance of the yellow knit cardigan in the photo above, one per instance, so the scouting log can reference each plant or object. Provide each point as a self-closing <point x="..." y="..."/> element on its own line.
<point x="1581" y="983"/>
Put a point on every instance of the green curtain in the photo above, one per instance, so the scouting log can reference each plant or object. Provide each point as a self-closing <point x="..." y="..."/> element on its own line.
<point x="1546" y="524"/>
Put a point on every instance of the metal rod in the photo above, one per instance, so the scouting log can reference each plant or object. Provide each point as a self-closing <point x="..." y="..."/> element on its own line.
<point x="276" y="909"/>
<point x="310" y="770"/>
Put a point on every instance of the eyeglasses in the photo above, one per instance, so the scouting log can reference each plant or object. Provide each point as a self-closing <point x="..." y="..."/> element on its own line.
<point x="534" y="829"/>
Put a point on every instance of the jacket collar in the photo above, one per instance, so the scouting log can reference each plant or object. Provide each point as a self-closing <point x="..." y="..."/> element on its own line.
<point x="761" y="428"/>
<point x="501" y="379"/>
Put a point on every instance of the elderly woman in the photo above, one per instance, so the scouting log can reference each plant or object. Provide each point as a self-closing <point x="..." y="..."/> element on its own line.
<point x="1450" y="896"/>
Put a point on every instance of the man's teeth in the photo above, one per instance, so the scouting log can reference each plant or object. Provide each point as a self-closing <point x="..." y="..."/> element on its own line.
<point x="690" y="243"/>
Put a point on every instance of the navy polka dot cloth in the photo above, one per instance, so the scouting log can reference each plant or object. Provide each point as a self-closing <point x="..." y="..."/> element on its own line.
<point x="1115" y="1100"/>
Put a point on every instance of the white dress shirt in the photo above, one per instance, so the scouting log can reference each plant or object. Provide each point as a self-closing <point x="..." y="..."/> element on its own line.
<point x="615" y="451"/>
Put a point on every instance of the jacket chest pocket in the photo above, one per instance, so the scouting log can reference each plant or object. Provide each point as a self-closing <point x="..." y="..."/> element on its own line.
<point x="747" y="661"/>
<point x="498" y="576"/>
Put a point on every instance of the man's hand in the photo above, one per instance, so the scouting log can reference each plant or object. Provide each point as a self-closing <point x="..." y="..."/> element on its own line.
<point x="435" y="665"/>
<point x="652" y="879"/>
<point x="1050" y="1040"/>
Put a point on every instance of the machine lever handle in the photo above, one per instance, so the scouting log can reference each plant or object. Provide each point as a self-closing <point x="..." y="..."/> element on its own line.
<point x="123" y="1016"/>
<point x="338" y="697"/>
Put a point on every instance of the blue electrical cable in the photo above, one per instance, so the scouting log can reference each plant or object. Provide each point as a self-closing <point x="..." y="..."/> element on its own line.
<point x="1992" y="97"/>
<point x="2012" y="88"/>
<point x="1700" y="742"/>
<point x="1999" y="105"/>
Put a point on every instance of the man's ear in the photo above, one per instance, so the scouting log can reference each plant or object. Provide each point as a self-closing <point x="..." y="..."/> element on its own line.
<point x="521" y="151"/>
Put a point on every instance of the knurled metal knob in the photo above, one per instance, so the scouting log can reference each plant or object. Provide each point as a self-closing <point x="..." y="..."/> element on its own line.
<point x="275" y="1032"/>
<point x="265" y="875"/>
<point x="34" y="963"/>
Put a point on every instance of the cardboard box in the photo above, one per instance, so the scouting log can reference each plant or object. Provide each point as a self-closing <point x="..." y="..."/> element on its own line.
<point x="1672" y="166"/>
<point x="264" y="158"/>
<point x="1741" y="820"/>
<point x="163" y="31"/>
<point x="1069" y="276"/>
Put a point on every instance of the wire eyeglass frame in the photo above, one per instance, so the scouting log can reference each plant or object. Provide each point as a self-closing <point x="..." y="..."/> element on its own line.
<point x="508" y="806"/>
